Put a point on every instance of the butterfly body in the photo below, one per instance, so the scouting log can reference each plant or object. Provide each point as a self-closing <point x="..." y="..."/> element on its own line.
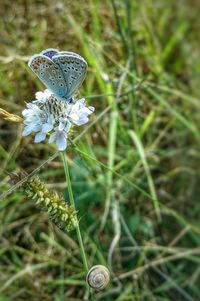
<point x="62" y="72"/>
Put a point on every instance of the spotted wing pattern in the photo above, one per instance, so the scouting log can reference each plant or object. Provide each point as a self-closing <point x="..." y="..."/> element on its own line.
<point x="74" y="69"/>
<point x="61" y="72"/>
<point x="49" y="73"/>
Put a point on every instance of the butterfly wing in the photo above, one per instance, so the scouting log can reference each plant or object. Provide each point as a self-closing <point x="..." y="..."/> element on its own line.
<point x="74" y="69"/>
<point x="49" y="52"/>
<point x="70" y="53"/>
<point x="49" y="72"/>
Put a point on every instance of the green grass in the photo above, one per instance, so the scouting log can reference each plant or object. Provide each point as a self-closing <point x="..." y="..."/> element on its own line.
<point x="135" y="167"/>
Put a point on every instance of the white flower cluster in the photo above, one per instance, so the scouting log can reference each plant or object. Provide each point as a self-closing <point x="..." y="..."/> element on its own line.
<point x="48" y="116"/>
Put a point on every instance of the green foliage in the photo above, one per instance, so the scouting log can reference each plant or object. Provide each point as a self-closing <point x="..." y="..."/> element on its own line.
<point x="135" y="171"/>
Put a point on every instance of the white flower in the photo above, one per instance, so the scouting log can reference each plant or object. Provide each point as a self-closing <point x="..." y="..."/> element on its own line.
<point x="60" y="135"/>
<point x="32" y="119"/>
<point x="47" y="115"/>
<point x="79" y="112"/>
<point x="42" y="96"/>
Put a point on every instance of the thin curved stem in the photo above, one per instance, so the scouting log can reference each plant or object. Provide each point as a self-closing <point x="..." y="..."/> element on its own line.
<point x="78" y="231"/>
<point x="71" y="198"/>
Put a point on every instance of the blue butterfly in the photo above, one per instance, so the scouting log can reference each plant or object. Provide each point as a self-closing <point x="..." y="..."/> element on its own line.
<point x="62" y="72"/>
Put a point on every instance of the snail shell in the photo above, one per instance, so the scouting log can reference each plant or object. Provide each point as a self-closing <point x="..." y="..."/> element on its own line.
<point x="98" y="277"/>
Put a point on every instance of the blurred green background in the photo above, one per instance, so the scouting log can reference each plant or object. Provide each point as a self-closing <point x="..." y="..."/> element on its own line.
<point x="138" y="201"/>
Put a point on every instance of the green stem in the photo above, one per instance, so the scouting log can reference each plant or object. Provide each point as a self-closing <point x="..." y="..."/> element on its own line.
<point x="71" y="198"/>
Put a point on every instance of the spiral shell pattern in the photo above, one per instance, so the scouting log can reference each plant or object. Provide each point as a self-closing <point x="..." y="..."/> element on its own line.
<point x="98" y="277"/>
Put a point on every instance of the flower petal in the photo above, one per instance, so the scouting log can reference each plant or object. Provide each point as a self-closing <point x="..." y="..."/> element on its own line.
<point x="39" y="96"/>
<point x="42" y="97"/>
<point x="81" y="121"/>
<point x="52" y="137"/>
<point x="61" y="126"/>
<point x="74" y="116"/>
<point x="61" y="141"/>
<point x="47" y="127"/>
<point x="26" y="131"/>
<point x="30" y="128"/>
<point x="39" y="137"/>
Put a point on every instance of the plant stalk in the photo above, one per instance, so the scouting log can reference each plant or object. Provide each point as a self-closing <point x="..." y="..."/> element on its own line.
<point x="78" y="231"/>
<point x="71" y="198"/>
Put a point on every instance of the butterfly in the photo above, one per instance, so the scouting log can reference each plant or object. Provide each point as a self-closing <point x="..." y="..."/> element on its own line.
<point x="62" y="72"/>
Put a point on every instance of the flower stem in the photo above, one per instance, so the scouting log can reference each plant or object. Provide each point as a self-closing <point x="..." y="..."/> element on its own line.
<point x="78" y="231"/>
<point x="71" y="198"/>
